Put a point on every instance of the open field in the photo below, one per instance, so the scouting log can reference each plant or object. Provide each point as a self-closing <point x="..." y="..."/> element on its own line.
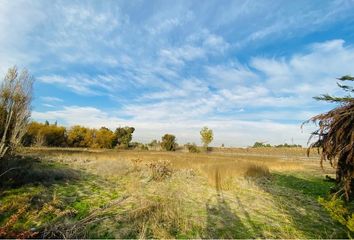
<point x="228" y="193"/>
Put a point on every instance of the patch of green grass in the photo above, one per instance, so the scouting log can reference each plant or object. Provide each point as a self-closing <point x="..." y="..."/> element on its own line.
<point x="313" y="186"/>
<point x="82" y="208"/>
<point x="297" y="195"/>
<point x="51" y="192"/>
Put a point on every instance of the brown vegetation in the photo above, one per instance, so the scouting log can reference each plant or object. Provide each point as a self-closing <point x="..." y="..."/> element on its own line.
<point x="335" y="137"/>
<point x="15" y="104"/>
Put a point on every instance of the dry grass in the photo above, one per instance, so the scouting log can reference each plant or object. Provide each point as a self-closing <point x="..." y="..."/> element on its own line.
<point x="229" y="164"/>
<point x="257" y="171"/>
<point x="132" y="194"/>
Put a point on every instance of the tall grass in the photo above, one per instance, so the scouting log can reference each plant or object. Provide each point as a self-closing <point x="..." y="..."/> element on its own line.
<point x="132" y="194"/>
<point x="228" y="166"/>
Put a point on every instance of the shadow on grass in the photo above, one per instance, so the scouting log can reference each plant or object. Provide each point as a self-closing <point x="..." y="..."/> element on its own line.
<point x="28" y="197"/>
<point x="298" y="197"/>
<point x="312" y="187"/>
<point x="18" y="171"/>
<point x="222" y="222"/>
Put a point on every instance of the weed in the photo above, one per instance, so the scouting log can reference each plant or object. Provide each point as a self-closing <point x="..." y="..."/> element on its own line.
<point x="160" y="170"/>
<point x="340" y="212"/>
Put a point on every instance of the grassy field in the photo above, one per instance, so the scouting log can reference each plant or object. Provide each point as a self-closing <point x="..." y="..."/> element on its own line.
<point x="228" y="193"/>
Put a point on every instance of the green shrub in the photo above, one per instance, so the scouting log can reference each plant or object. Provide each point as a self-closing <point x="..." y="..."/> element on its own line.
<point x="169" y="142"/>
<point x="192" y="148"/>
<point x="340" y="211"/>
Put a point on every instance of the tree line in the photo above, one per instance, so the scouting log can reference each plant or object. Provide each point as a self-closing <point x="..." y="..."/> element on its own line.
<point x="267" y="145"/>
<point x="53" y="135"/>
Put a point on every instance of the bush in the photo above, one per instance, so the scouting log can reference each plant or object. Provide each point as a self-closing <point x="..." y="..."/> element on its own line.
<point x="192" y="148"/>
<point x="139" y="146"/>
<point x="154" y="145"/>
<point x="169" y="142"/>
<point x="160" y="170"/>
<point x="339" y="212"/>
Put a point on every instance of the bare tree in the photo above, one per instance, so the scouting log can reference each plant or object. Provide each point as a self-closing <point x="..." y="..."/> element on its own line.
<point x="15" y="108"/>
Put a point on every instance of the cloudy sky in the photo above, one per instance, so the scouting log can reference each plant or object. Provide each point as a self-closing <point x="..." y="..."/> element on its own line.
<point x="246" y="69"/>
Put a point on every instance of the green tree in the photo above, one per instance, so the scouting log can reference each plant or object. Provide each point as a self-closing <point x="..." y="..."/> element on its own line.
<point x="207" y="136"/>
<point x="124" y="135"/>
<point x="168" y="142"/>
<point x="15" y="109"/>
<point x="335" y="137"/>
<point x="261" y="144"/>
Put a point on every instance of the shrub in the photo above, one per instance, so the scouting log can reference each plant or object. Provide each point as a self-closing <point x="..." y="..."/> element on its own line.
<point x="339" y="212"/>
<point x="160" y="170"/>
<point x="169" y="142"/>
<point x="192" y="148"/>
<point x="139" y="146"/>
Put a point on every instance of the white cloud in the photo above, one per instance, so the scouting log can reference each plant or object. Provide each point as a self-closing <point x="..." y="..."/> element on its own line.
<point x="178" y="56"/>
<point x="231" y="76"/>
<point x="163" y="23"/>
<point x="48" y="105"/>
<point x="281" y="20"/>
<point x="72" y="115"/>
<point x="83" y="84"/>
<point x="52" y="99"/>
<point x="15" y="33"/>
<point x="308" y="74"/>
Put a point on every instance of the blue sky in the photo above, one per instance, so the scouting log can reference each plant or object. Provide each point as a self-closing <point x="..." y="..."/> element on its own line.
<point x="246" y="69"/>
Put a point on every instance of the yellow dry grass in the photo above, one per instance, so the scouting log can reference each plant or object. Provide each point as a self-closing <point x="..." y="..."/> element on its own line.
<point x="238" y="193"/>
<point x="227" y="163"/>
